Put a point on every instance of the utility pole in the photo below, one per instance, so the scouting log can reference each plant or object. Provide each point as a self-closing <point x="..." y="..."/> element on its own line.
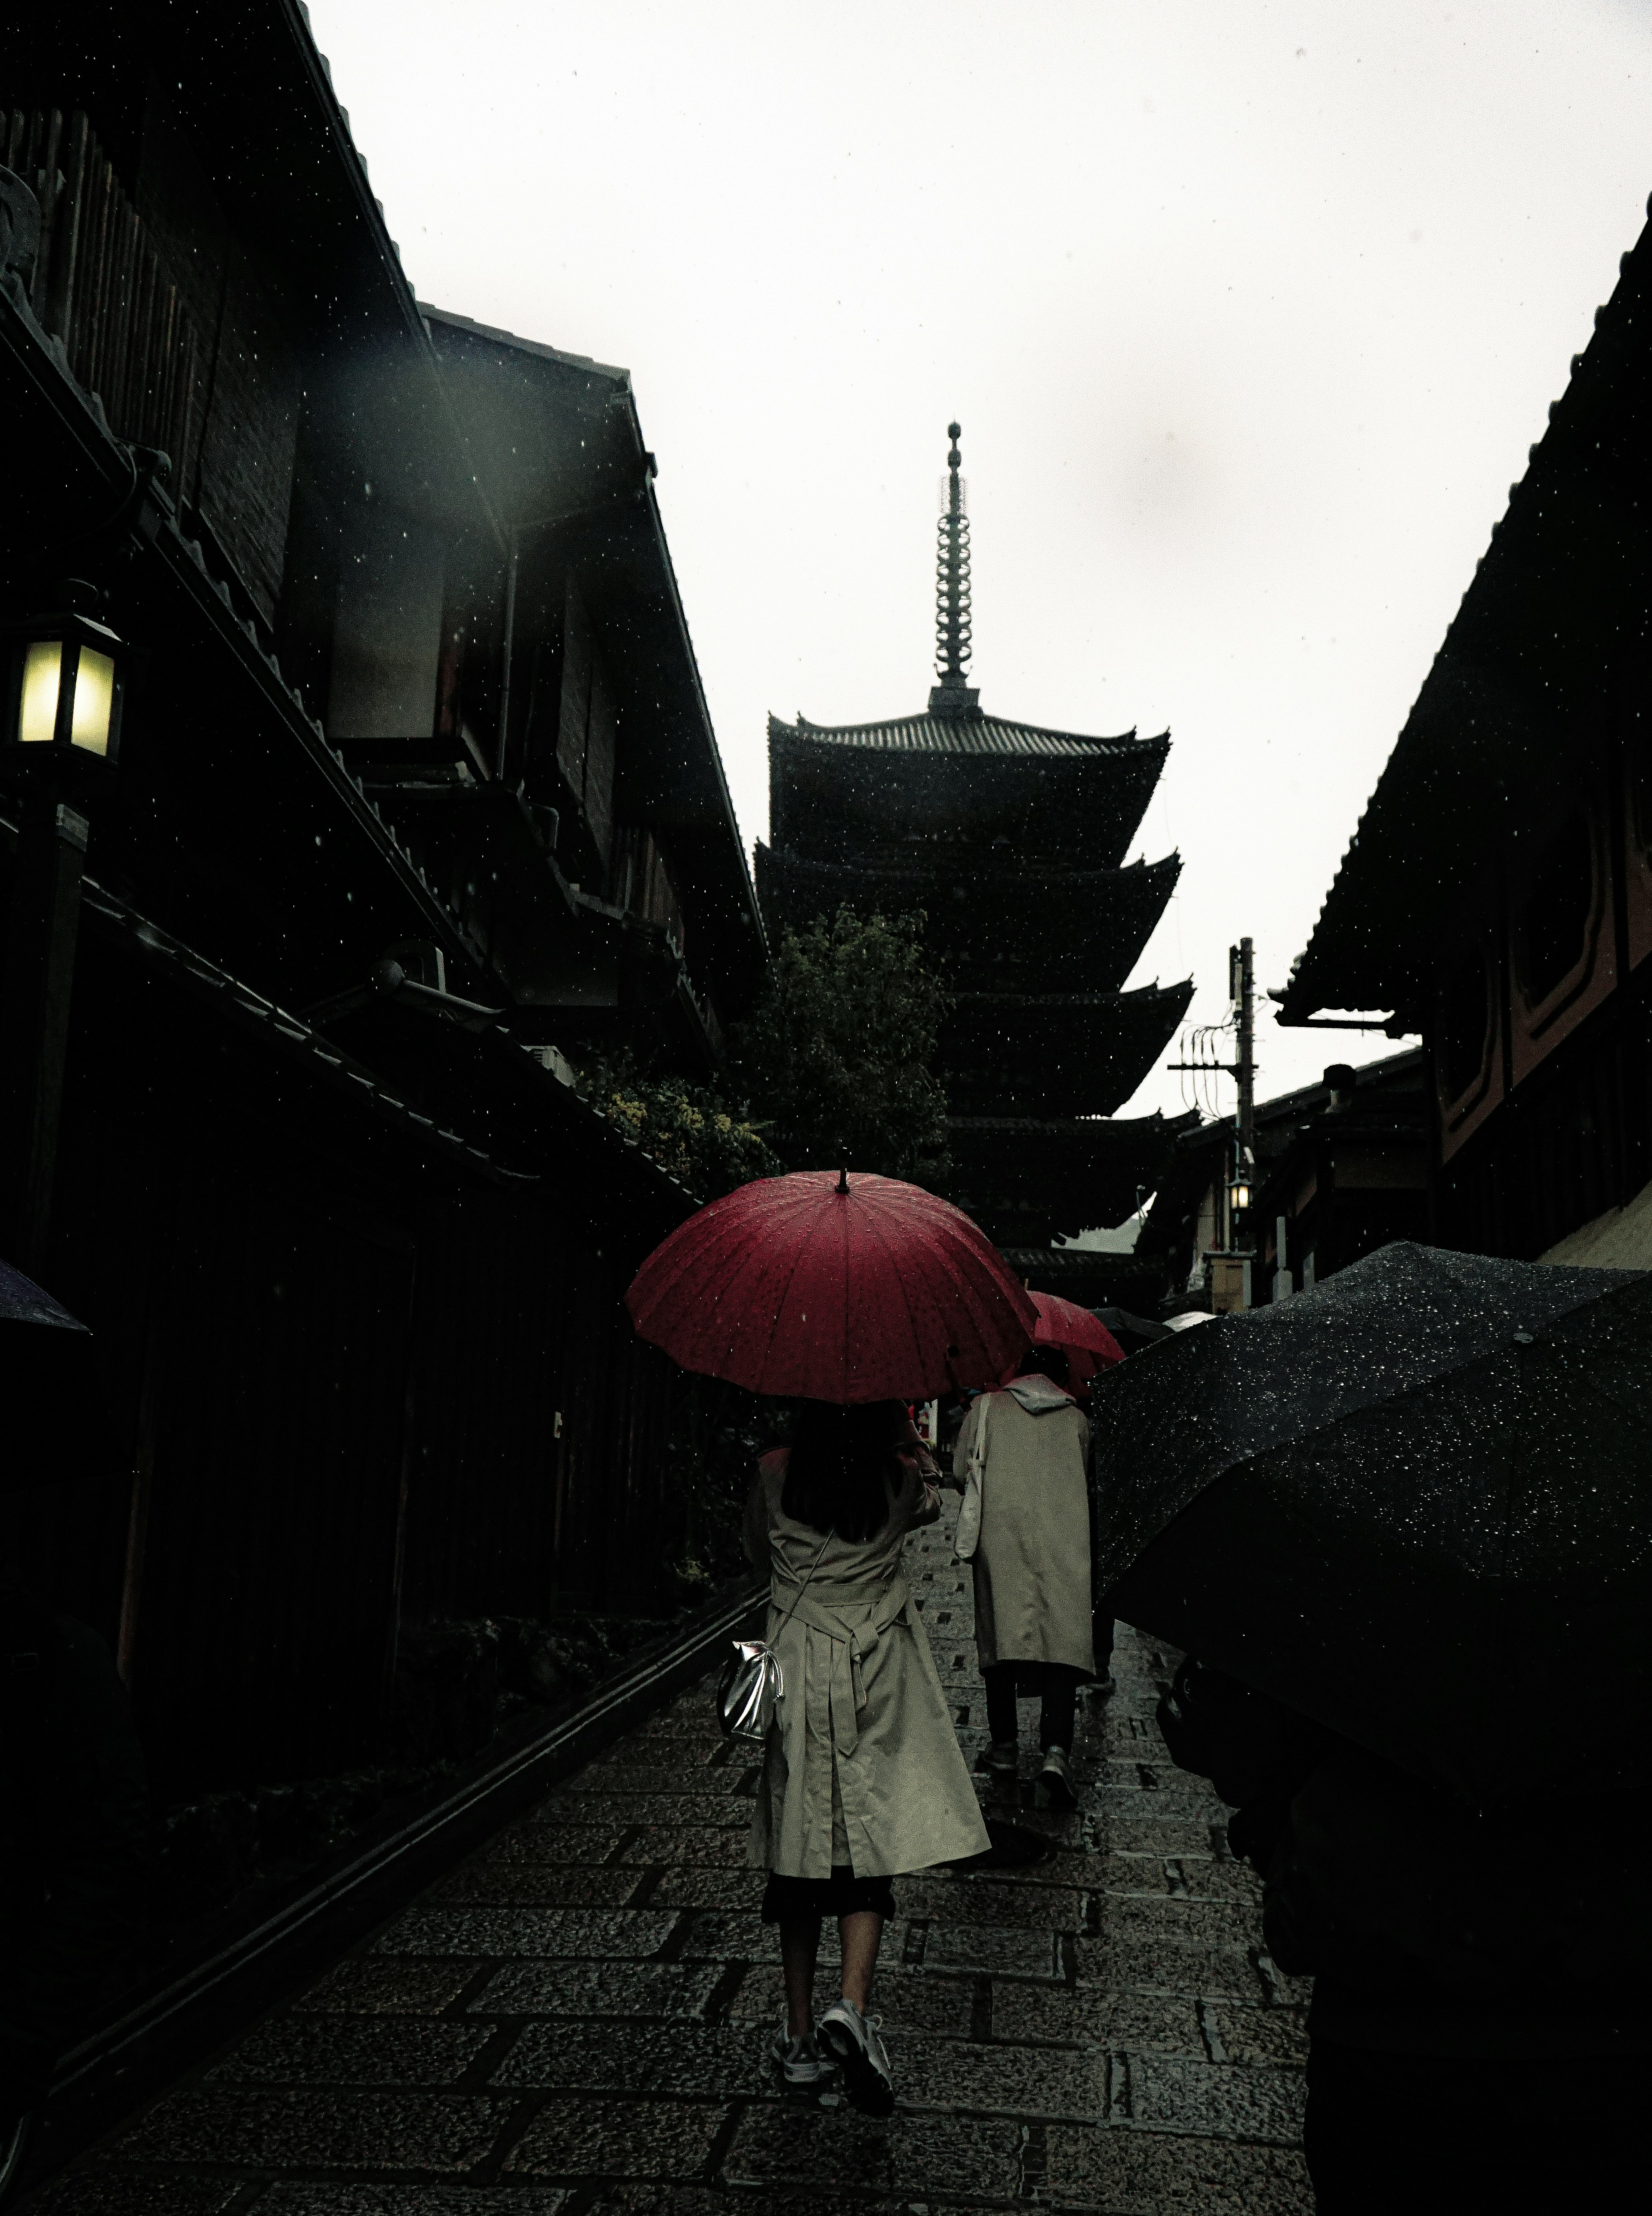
<point x="1242" y="984"/>
<point x="1241" y="1185"/>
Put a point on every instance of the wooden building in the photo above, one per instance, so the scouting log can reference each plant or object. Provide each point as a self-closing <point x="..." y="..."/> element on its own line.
<point x="1342" y="1168"/>
<point x="1497" y="894"/>
<point x="417" y="800"/>
<point x="1011" y="840"/>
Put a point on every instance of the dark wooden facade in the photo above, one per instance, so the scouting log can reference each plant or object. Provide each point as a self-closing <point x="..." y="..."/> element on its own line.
<point x="1343" y="1163"/>
<point x="1497" y="895"/>
<point x="417" y="796"/>
<point x="1344" y="1166"/>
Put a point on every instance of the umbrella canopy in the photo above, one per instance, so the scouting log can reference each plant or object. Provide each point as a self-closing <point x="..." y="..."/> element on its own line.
<point x="833" y="1287"/>
<point x="1415" y="1503"/>
<point x="1086" y="1342"/>
<point x="53" y="1411"/>
<point x="1131" y="1330"/>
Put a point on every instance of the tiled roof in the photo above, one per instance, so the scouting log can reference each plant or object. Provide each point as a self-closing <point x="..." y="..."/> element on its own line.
<point x="966" y="735"/>
<point x="499" y="337"/>
<point x="1561" y="586"/>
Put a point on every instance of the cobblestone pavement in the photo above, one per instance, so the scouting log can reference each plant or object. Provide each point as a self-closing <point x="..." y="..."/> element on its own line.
<point x="575" y="2020"/>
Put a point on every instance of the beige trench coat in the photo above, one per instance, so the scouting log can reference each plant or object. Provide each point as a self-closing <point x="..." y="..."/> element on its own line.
<point x="862" y="1765"/>
<point x="1032" y="1555"/>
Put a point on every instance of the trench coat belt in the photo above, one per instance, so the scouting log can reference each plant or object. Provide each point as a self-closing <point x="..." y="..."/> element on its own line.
<point x="851" y="1642"/>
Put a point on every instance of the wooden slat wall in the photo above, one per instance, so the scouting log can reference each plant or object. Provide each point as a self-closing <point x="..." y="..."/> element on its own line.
<point x="268" y="1601"/>
<point x="481" y="1463"/>
<point x="99" y="287"/>
<point x="641" y="881"/>
<point x="288" y="1336"/>
<point x="520" y="1320"/>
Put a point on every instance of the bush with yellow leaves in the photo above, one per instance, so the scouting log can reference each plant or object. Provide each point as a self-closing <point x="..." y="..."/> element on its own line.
<point x="685" y="1128"/>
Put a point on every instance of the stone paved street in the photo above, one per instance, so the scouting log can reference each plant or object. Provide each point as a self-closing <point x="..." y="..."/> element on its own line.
<point x="576" y="2019"/>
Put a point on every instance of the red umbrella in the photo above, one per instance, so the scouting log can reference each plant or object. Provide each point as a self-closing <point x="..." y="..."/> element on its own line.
<point x="830" y="1287"/>
<point x="1086" y="1343"/>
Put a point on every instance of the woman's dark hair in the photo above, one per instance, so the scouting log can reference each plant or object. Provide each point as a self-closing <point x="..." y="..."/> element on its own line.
<point x="843" y="1468"/>
<point x="1045" y="1362"/>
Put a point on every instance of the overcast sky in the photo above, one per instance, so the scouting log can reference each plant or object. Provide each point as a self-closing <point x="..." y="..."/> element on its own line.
<point x="1251" y="313"/>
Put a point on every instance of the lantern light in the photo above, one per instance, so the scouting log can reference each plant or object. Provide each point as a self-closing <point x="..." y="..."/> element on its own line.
<point x="66" y="685"/>
<point x="1239" y="1194"/>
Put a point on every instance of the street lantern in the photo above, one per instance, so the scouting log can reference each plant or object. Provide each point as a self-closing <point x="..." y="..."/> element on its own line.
<point x="63" y="680"/>
<point x="65" y="684"/>
<point x="1239" y="1192"/>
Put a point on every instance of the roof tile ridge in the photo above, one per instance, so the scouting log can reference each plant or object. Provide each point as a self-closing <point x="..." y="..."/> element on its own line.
<point x="1052" y="731"/>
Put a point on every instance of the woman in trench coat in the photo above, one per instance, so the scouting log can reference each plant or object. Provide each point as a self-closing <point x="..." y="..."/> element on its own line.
<point x="1021" y="1461"/>
<point x="862" y="1777"/>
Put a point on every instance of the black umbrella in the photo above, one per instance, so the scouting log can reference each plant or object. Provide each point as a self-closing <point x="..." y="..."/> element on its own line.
<point x="51" y="1424"/>
<point x="1131" y="1332"/>
<point x="1415" y="1503"/>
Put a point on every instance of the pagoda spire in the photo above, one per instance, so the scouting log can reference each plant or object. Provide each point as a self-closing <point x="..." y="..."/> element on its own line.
<point x="953" y="697"/>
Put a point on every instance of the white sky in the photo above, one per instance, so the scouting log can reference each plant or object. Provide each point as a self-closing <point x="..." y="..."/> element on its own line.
<point x="1249" y="311"/>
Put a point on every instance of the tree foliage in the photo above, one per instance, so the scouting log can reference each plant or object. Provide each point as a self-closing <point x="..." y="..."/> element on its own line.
<point x="686" y="1128"/>
<point x="838" y="1057"/>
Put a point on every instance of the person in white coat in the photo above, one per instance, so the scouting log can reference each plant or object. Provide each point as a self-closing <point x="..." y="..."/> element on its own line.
<point x="862" y="1778"/>
<point x="1020" y="1460"/>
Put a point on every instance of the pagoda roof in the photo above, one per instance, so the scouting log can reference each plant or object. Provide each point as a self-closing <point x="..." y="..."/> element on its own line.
<point x="991" y="918"/>
<point x="833" y="799"/>
<point x="1093" y="1277"/>
<point x="1082" y="1054"/>
<point x="1028" y="1180"/>
<point x="967" y="735"/>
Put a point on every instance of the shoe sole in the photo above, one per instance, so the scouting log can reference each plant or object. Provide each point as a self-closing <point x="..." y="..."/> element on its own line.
<point x="867" y="2087"/>
<point x="822" y="2074"/>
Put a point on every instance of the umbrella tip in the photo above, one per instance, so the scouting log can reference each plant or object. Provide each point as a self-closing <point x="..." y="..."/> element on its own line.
<point x="843" y="1179"/>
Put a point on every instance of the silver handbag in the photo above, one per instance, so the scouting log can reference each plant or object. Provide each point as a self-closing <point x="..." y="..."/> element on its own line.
<point x="752" y="1680"/>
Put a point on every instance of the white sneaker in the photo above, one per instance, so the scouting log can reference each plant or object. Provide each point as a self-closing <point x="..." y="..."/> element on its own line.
<point x="799" y="2060"/>
<point x="1052" y="1788"/>
<point x="853" y="2039"/>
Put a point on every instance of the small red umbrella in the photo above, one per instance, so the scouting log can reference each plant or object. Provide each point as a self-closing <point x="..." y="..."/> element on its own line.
<point x="1086" y="1343"/>
<point x="830" y="1287"/>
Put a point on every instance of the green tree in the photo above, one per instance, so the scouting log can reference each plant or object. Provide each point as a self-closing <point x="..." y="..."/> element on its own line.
<point x="686" y="1128"/>
<point x="838" y="1057"/>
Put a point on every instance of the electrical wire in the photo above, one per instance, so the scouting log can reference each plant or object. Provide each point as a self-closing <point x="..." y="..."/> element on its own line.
<point x="1205" y="1051"/>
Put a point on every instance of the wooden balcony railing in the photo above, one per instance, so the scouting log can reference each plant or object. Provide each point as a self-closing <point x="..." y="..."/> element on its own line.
<point x="99" y="287"/>
<point x="641" y="882"/>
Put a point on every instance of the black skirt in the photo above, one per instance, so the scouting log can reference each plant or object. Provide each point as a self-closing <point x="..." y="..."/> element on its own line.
<point x="794" y="1900"/>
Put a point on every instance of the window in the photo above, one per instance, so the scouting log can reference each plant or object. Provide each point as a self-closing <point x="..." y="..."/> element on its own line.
<point x="1465" y="1013"/>
<point x="1551" y="934"/>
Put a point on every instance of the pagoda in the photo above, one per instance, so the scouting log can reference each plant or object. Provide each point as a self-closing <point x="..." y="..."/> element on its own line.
<point x="1011" y="839"/>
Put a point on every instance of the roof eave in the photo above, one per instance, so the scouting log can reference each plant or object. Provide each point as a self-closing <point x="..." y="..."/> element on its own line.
<point x="353" y="166"/>
<point x="1485" y="715"/>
